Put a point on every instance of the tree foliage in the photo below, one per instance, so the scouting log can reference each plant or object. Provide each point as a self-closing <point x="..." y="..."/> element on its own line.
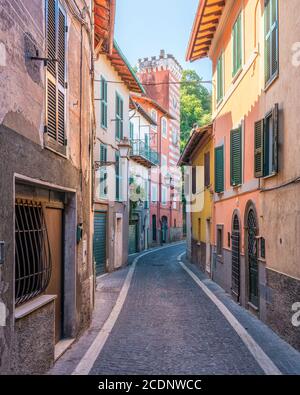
<point x="195" y="104"/>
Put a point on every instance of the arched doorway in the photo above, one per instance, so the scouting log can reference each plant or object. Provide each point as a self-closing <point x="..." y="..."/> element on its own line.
<point x="235" y="257"/>
<point x="252" y="253"/>
<point x="164" y="229"/>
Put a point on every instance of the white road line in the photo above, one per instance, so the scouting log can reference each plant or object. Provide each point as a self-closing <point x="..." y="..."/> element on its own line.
<point x="88" y="360"/>
<point x="260" y="356"/>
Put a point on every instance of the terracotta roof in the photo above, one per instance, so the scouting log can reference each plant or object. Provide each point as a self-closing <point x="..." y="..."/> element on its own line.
<point x="196" y="138"/>
<point x="148" y="100"/>
<point x="104" y="11"/>
<point x="205" y="25"/>
<point x="134" y="105"/>
<point x="125" y="71"/>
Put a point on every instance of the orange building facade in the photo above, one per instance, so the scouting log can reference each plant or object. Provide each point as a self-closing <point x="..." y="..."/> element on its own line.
<point x="255" y="256"/>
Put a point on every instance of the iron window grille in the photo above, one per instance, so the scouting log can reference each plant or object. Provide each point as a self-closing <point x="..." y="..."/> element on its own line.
<point x="32" y="251"/>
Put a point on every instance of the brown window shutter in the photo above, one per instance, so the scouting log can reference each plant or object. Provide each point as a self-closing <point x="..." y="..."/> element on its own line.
<point x="61" y="48"/>
<point x="51" y="110"/>
<point x="194" y="180"/>
<point x="207" y="169"/>
<point x="51" y="36"/>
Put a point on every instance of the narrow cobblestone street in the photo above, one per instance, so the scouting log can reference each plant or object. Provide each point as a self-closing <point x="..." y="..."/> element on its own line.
<point x="168" y="325"/>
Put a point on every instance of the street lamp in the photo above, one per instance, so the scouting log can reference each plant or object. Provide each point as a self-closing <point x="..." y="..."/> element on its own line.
<point x="124" y="148"/>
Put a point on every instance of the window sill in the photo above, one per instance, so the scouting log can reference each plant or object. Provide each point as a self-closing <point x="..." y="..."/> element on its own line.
<point x="269" y="176"/>
<point x="237" y="74"/>
<point x="271" y="82"/>
<point x="35" y="304"/>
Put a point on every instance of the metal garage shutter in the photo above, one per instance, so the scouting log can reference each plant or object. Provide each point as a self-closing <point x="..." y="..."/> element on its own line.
<point x="100" y="242"/>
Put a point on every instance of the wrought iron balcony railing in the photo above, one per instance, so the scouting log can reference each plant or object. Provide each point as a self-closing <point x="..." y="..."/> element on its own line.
<point x="143" y="154"/>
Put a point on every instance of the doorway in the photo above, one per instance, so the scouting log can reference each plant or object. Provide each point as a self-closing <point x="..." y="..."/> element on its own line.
<point x="164" y="229"/>
<point x="208" y="246"/>
<point x="154" y="228"/>
<point x="118" y="241"/>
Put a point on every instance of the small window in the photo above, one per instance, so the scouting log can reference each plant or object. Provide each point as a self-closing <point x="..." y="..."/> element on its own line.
<point x="220" y="81"/>
<point x="220" y="240"/>
<point x="32" y="251"/>
<point x="194" y="180"/>
<point x="103" y="103"/>
<point x="271" y="40"/>
<point x="174" y="137"/>
<point x="237" y="45"/>
<point x="164" y="127"/>
<point x="207" y="169"/>
<point x="164" y="195"/>
<point x="154" y="193"/>
<point x="119" y="117"/>
<point x="154" y="117"/>
<point x="199" y="229"/>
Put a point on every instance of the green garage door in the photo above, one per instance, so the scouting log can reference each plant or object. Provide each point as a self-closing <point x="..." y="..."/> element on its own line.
<point x="100" y="242"/>
<point x="132" y="238"/>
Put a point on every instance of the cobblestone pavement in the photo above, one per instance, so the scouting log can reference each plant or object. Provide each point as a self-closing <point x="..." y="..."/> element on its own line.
<point x="169" y="326"/>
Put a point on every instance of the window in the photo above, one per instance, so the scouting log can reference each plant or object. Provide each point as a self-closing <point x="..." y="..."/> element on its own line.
<point x="56" y="77"/>
<point x="32" y="251"/>
<point x="103" y="103"/>
<point x="194" y="180"/>
<point x="219" y="169"/>
<point x="220" y="240"/>
<point x="174" y="137"/>
<point x="237" y="45"/>
<point x="207" y="169"/>
<point x="146" y="188"/>
<point x="119" y="117"/>
<point x="154" y="193"/>
<point x="154" y="117"/>
<point x="131" y="131"/>
<point x="271" y="40"/>
<point x="118" y="178"/>
<point x="236" y="156"/>
<point x="164" y="193"/>
<point x="220" y="82"/>
<point x="164" y="165"/>
<point x="266" y="145"/>
<point x="164" y="127"/>
<point x="103" y="172"/>
<point x="199" y="229"/>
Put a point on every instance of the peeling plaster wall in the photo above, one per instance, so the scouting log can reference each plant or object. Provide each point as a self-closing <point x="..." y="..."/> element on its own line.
<point x="22" y="151"/>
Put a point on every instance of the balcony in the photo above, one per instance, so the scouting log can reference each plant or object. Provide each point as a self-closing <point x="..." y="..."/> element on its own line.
<point x="143" y="154"/>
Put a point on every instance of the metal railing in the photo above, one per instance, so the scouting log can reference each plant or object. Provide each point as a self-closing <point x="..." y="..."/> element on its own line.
<point x="140" y="148"/>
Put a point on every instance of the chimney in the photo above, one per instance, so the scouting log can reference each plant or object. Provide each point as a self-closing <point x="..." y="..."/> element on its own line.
<point x="162" y="53"/>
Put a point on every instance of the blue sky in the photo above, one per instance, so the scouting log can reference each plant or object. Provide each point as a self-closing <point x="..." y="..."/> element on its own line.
<point x="145" y="27"/>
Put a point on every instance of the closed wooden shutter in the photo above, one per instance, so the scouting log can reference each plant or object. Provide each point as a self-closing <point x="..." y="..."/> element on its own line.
<point x="220" y="79"/>
<point x="103" y="103"/>
<point x="119" y="117"/>
<point x="56" y="77"/>
<point x="237" y="45"/>
<point x="194" y="180"/>
<point x="259" y="149"/>
<point x="219" y="169"/>
<point x="236" y="156"/>
<point x="275" y="117"/>
<point x="207" y="169"/>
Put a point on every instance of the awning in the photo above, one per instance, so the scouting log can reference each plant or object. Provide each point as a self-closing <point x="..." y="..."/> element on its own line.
<point x="144" y="99"/>
<point x="205" y="25"/>
<point x="104" y="24"/>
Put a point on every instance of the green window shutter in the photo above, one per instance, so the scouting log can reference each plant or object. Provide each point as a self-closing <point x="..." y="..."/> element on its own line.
<point x="236" y="156"/>
<point x="271" y="39"/>
<point x="131" y="131"/>
<point x="103" y="103"/>
<point x="117" y="176"/>
<point x="119" y="117"/>
<point x="219" y="169"/>
<point x="275" y="116"/>
<point x="103" y="171"/>
<point x="237" y="45"/>
<point x="259" y="149"/>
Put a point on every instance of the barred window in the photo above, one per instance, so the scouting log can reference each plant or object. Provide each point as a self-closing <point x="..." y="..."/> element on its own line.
<point x="32" y="251"/>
